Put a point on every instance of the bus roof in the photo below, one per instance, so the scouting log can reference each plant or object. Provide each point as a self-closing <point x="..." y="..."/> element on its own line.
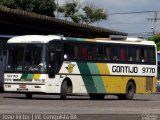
<point x="33" y="39"/>
<point x="127" y="40"/>
<point x="47" y="38"/>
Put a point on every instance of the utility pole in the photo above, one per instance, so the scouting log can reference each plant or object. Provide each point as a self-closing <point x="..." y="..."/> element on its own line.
<point x="155" y="19"/>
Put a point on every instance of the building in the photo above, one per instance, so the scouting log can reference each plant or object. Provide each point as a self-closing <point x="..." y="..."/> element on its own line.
<point x="18" y="22"/>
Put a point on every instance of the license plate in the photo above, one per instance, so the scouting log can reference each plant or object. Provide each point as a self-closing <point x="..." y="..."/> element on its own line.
<point x="22" y="87"/>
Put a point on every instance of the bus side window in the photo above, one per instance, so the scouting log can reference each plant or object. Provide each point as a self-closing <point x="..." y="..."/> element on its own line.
<point x="115" y="53"/>
<point x="100" y="52"/>
<point x="122" y="54"/>
<point x="107" y="55"/>
<point x="131" y="54"/>
<point x="144" y="55"/>
<point x="84" y="53"/>
<point x="75" y="54"/>
<point x="88" y="52"/>
<point x="70" y="51"/>
<point x="91" y="52"/>
<point x="137" y="55"/>
<point x="152" y="55"/>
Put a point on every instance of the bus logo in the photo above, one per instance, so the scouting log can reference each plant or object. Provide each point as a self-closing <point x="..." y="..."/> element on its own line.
<point x="70" y="68"/>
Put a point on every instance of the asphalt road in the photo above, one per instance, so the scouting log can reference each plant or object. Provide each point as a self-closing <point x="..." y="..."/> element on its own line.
<point x="141" y="106"/>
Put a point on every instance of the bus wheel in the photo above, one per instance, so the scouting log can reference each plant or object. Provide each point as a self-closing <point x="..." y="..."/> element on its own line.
<point x="28" y="95"/>
<point x="66" y="89"/>
<point x="96" y="96"/>
<point x="63" y="93"/>
<point x="130" y="91"/>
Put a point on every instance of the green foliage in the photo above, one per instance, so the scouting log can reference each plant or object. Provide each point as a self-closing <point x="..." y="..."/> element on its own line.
<point x="158" y="46"/>
<point x="45" y="7"/>
<point x="74" y="10"/>
<point x="60" y="9"/>
<point x="82" y="14"/>
<point x="8" y="3"/>
<point x="156" y="39"/>
<point x="70" y="9"/>
<point x="93" y="15"/>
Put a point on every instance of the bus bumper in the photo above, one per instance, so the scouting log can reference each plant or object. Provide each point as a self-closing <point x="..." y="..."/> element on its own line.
<point x="24" y="87"/>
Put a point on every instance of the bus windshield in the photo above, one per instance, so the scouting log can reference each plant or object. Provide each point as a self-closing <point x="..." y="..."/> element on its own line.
<point x="31" y="57"/>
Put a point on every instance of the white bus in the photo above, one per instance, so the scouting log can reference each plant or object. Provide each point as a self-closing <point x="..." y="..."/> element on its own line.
<point x="65" y="65"/>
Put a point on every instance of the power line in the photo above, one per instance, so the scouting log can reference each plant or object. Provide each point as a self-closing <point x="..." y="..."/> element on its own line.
<point x="133" y="12"/>
<point x="110" y="22"/>
<point x="155" y="19"/>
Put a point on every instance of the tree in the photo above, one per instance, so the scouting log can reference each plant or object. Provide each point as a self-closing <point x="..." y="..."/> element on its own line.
<point x="45" y="7"/>
<point x="74" y="10"/>
<point x="156" y="39"/>
<point x="8" y="3"/>
<point x="93" y="15"/>
<point x="82" y="13"/>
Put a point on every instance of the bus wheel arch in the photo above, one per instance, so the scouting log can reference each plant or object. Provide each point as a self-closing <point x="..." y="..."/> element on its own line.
<point x="130" y="91"/>
<point x="66" y="88"/>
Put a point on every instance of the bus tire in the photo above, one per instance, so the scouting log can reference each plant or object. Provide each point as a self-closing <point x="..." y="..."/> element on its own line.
<point x="28" y="95"/>
<point x="66" y="88"/>
<point x="130" y="91"/>
<point x="63" y="94"/>
<point x="96" y="96"/>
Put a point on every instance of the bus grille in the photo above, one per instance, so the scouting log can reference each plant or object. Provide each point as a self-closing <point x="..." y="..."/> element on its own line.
<point x="149" y="84"/>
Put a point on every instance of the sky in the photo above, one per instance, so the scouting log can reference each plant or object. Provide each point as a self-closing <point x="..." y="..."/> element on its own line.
<point x="130" y="23"/>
